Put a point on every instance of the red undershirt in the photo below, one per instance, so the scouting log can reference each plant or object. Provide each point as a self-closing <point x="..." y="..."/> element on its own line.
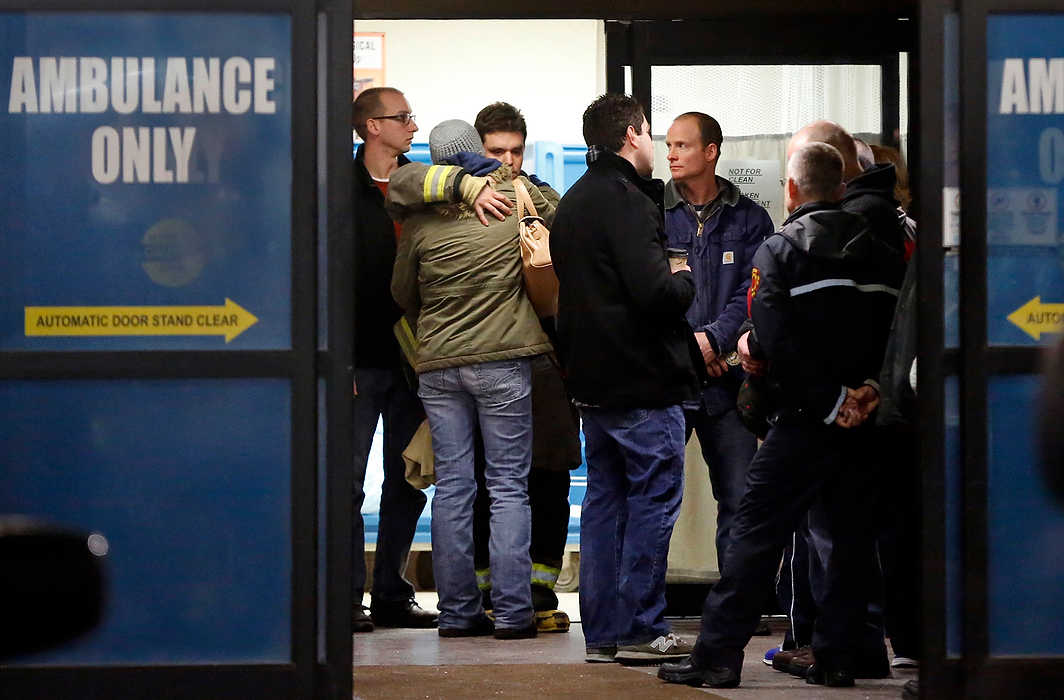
<point x="382" y="185"/>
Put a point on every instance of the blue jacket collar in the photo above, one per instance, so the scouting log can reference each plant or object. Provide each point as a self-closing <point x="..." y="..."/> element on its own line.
<point x="729" y="193"/>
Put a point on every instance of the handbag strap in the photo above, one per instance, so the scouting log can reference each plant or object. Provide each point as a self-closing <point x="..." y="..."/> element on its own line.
<point x="524" y="200"/>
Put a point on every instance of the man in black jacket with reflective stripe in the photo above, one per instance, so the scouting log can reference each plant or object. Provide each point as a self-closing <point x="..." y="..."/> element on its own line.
<point x="821" y="297"/>
<point x="870" y="192"/>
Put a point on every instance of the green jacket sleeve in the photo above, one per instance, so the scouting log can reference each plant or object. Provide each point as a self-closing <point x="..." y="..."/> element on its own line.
<point x="405" y="272"/>
<point x="416" y="186"/>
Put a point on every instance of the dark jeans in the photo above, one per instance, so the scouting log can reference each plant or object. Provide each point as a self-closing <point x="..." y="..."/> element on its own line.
<point x="634" y="487"/>
<point x="383" y="392"/>
<point x="800" y="468"/>
<point x="727" y="447"/>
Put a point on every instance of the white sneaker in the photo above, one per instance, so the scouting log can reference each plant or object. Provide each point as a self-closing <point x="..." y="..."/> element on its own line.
<point x="904" y="662"/>
<point x="668" y="647"/>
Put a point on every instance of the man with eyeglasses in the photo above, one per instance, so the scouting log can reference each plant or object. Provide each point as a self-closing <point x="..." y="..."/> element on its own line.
<point x="383" y="119"/>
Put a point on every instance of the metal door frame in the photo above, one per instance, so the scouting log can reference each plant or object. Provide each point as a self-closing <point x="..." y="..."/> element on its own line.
<point x="875" y="38"/>
<point x="975" y="673"/>
<point x="320" y="665"/>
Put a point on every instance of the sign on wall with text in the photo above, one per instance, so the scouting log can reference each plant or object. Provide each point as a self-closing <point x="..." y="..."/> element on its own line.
<point x="146" y="188"/>
<point x="760" y="181"/>
<point x="367" y="62"/>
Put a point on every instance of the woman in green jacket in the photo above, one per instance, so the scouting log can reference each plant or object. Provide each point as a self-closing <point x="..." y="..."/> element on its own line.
<point x="476" y="333"/>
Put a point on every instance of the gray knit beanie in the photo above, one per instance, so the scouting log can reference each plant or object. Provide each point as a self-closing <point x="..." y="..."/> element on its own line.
<point x="450" y="137"/>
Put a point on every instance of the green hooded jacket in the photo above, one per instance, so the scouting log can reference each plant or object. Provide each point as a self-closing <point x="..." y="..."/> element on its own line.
<point x="460" y="280"/>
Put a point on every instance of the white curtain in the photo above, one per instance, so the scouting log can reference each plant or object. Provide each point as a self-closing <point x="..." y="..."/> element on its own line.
<point x="755" y="100"/>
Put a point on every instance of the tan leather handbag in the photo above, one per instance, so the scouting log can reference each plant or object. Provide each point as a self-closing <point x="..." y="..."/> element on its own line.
<point x="541" y="284"/>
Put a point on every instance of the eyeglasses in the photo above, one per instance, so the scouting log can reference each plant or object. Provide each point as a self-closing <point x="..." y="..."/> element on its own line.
<point x="403" y="118"/>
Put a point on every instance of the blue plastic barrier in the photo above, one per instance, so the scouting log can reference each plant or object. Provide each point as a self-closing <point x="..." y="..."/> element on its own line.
<point x="557" y="164"/>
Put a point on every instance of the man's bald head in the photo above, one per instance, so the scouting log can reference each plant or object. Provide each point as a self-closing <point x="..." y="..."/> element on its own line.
<point x="832" y="134"/>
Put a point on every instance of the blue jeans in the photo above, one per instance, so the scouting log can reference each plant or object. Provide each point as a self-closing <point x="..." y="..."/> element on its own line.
<point x="727" y="447"/>
<point x="385" y="392"/>
<point x="634" y="486"/>
<point x="497" y="395"/>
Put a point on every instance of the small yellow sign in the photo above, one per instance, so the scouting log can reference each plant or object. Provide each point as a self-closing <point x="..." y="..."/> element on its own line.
<point x="229" y="320"/>
<point x="1035" y="318"/>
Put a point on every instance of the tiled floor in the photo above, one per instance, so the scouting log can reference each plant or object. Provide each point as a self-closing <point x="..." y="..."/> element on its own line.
<point x="424" y="647"/>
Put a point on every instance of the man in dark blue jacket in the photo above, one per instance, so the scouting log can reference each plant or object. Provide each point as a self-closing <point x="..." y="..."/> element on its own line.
<point x="720" y="229"/>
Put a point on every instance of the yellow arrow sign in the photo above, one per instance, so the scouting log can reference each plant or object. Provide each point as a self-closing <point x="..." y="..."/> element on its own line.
<point x="230" y="320"/>
<point x="1035" y="318"/>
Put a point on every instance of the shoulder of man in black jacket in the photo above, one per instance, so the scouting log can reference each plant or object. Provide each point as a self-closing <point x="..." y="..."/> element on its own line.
<point x="871" y="194"/>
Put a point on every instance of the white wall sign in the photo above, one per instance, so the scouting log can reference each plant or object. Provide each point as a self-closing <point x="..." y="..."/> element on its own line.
<point x="369" y="51"/>
<point x="951" y="216"/>
<point x="760" y="181"/>
<point x="1021" y="216"/>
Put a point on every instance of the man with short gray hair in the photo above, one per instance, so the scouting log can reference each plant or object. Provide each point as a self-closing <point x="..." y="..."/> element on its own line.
<point x="814" y="174"/>
<point x="821" y="298"/>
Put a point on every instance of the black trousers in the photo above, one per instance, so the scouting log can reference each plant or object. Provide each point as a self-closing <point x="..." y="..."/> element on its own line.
<point x="793" y="593"/>
<point x="548" y="498"/>
<point x="801" y="468"/>
<point x="899" y="538"/>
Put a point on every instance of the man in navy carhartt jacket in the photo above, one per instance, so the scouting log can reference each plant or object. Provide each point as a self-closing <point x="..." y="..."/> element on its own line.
<point x="721" y="230"/>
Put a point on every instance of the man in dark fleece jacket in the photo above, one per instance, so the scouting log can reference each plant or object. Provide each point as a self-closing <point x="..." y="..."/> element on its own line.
<point x="624" y="344"/>
<point x="824" y="265"/>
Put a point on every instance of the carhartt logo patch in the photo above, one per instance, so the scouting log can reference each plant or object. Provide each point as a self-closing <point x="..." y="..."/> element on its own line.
<point x="729" y="257"/>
